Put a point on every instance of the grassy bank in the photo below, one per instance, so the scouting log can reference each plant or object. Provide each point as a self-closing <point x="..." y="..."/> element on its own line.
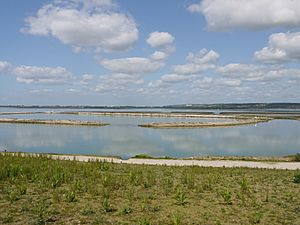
<point x="44" y="191"/>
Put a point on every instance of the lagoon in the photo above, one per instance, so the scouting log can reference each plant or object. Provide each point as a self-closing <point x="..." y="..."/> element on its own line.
<point x="125" y="139"/>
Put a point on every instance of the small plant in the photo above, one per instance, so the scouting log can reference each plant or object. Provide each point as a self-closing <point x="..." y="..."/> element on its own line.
<point x="41" y="210"/>
<point x="227" y="197"/>
<point x="71" y="197"/>
<point x="144" y="221"/>
<point x="8" y="219"/>
<point x="256" y="218"/>
<point x="22" y="189"/>
<point x="79" y="186"/>
<point x="13" y="196"/>
<point x="106" y="205"/>
<point x="297" y="178"/>
<point x="87" y="211"/>
<point x="241" y="196"/>
<point x="176" y="219"/>
<point x="244" y="184"/>
<point x="180" y="197"/>
<point x="126" y="210"/>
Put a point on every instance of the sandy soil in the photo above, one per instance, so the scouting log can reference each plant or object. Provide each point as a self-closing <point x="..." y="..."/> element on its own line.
<point x="181" y="162"/>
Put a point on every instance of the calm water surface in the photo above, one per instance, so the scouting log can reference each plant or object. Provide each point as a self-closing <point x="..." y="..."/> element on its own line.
<point x="124" y="138"/>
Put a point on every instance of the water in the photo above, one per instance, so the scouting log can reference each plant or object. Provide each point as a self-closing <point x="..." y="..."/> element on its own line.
<point x="124" y="138"/>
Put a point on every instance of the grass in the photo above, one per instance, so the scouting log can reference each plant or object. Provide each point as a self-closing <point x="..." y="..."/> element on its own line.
<point x="38" y="190"/>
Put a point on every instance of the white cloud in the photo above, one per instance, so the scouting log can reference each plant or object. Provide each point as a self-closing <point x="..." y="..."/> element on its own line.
<point x="40" y="91"/>
<point x="174" y="78"/>
<point x="203" y="57"/>
<point x="117" y="82"/>
<point x="134" y="65"/>
<point x="168" y="80"/>
<point x="210" y="82"/>
<point x="42" y="75"/>
<point x="190" y="68"/>
<point x="199" y="62"/>
<point x="86" y="79"/>
<point x="282" y="47"/>
<point x="4" y="66"/>
<point x="158" y="84"/>
<point x="160" y="39"/>
<point x="159" y="56"/>
<point x="254" y="14"/>
<point x="251" y="72"/>
<point x="85" y="24"/>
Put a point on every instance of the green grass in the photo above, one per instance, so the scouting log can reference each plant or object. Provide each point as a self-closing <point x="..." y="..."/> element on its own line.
<point x="38" y="190"/>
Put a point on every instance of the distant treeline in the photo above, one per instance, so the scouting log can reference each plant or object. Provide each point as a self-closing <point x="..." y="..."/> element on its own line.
<point x="237" y="106"/>
<point x="180" y="106"/>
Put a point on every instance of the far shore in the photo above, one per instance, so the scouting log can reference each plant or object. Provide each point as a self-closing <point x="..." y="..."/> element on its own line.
<point x="226" y="162"/>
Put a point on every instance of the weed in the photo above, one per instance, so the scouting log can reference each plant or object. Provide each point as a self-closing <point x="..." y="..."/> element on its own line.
<point x="256" y="218"/>
<point x="227" y="196"/>
<point x="297" y="178"/>
<point x="180" y="197"/>
<point x="22" y="189"/>
<point x="41" y="210"/>
<point x="127" y="210"/>
<point x="106" y="205"/>
<point x="144" y="221"/>
<point x="71" y="197"/>
<point x="79" y="186"/>
<point x="241" y="196"/>
<point x="13" y="196"/>
<point x="176" y="219"/>
<point x="244" y="184"/>
<point x="8" y="219"/>
<point x="87" y="211"/>
<point x="135" y="178"/>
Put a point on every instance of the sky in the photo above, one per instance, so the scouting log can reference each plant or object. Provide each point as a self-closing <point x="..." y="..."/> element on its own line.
<point x="112" y="52"/>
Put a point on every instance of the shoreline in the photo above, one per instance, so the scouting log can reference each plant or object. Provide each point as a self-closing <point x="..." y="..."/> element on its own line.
<point x="52" y="122"/>
<point x="281" y="165"/>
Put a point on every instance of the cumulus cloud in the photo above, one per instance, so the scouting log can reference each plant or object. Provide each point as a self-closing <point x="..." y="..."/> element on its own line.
<point x="4" y="66"/>
<point x="282" y="47"/>
<point x="84" y="24"/>
<point x="168" y="80"/>
<point x="197" y="63"/>
<point x="251" y="72"/>
<point x="211" y="82"/>
<point x="223" y="15"/>
<point x="174" y="78"/>
<point x="117" y="82"/>
<point x="159" y="56"/>
<point x="86" y="79"/>
<point x="42" y="75"/>
<point x="134" y="65"/>
<point x="160" y="39"/>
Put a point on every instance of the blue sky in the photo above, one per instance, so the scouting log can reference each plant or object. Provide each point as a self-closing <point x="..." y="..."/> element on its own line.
<point x="105" y="52"/>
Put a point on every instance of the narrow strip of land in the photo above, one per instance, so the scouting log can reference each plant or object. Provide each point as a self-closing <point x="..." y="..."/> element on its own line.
<point x="204" y="124"/>
<point x="175" y="162"/>
<point x="52" y="122"/>
<point x="152" y="114"/>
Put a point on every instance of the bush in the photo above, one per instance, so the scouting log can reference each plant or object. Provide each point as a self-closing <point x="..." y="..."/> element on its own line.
<point x="297" y="157"/>
<point x="297" y="178"/>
